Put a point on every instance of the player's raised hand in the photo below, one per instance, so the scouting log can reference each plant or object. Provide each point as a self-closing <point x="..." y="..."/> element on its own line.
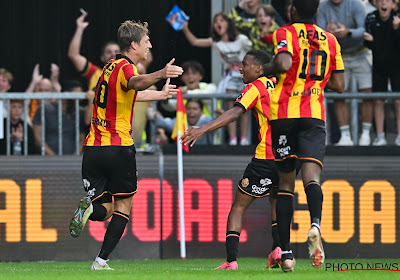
<point x="172" y="71"/>
<point x="169" y="90"/>
<point x="80" y="21"/>
<point x="192" y="135"/>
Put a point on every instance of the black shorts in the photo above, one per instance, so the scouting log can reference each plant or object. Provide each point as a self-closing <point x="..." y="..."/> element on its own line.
<point x="109" y="171"/>
<point x="303" y="139"/>
<point x="260" y="176"/>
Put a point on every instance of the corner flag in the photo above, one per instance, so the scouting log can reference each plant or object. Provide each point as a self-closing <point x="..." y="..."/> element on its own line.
<point x="181" y="124"/>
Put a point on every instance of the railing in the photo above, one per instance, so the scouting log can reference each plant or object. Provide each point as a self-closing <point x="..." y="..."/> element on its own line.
<point x="6" y="97"/>
<point x="27" y="97"/>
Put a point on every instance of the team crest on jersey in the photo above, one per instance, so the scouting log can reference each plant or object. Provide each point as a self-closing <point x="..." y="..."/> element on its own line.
<point x="245" y="182"/>
<point x="282" y="44"/>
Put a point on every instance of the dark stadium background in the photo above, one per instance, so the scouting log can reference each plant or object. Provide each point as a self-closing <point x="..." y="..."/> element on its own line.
<point x="39" y="31"/>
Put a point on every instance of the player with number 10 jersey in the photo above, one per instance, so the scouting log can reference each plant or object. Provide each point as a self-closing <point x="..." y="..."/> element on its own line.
<point x="315" y="53"/>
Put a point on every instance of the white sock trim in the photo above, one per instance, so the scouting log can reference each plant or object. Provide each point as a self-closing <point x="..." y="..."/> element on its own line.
<point x="287" y="252"/>
<point x="316" y="225"/>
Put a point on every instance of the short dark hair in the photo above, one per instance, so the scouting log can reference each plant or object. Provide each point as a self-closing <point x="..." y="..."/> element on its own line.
<point x="20" y="101"/>
<point x="195" y="100"/>
<point x="306" y="8"/>
<point x="105" y="45"/>
<point x="260" y="56"/>
<point x="268" y="10"/>
<point x="194" y="65"/>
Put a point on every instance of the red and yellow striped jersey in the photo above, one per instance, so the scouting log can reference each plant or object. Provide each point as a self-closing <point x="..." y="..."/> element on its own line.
<point x="113" y="105"/>
<point x="299" y="93"/>
<point x="92" y="74"/>
<point x="256" y="96"/>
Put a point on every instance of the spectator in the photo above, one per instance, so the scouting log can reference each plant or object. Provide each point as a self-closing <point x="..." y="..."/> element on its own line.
<point x="346" y="20"/>
<point x="245" y="9"/>
<point x="195" y="117"/>
<point x="88" y="70"/>
<point x="192" y="77"/>
<point x="6" y="79"/>
<point x="51" y="127"/>
<point x="369" y="6"/>
<point x="383" y="38"/>
<point x="16" y="133"/>
<point x="40" y="84"/>
<point x="232" y="47"/>
<point x="260" y="28"/>
<point x="85" y="105"/>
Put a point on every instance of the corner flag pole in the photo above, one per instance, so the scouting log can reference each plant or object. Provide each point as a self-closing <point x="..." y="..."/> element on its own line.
<point x="181" y="199"/>
<point x="161" y="173"/>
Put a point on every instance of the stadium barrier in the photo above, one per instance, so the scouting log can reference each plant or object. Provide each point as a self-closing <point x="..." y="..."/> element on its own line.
<point x="361" y="214"/>
<point x="354" y="98"/>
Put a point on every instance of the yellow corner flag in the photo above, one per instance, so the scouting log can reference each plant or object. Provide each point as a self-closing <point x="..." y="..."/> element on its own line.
<point x="181" y="123"/>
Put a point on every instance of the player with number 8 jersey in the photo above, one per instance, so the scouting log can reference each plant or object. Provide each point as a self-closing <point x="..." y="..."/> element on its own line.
<point x="109" y="171"/>
<point x="113" y="105"/>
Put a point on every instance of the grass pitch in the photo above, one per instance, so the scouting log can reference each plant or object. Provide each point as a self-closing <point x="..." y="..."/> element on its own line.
<point x="249" y="268"/>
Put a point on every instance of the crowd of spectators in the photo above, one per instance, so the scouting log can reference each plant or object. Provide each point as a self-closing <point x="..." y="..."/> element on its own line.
<point x="368" y="32"/>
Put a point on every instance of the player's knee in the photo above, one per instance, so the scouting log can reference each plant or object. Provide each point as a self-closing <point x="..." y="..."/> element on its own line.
<point x="110" y="209"/>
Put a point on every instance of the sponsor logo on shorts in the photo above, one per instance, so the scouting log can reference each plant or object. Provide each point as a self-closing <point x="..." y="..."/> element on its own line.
<point x="282" y="140"/>
<point x="86" y="184"/>
<point x="258" y="190"/>
<point x="283" y="151"/>
<point x="91" y="192"/>
<point x="265" y="182"/>
<point x="245" y="182"/>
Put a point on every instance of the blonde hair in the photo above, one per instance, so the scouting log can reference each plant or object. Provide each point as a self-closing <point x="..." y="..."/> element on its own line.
<point x="131" y="31"/>
<point x="4" y="72"/>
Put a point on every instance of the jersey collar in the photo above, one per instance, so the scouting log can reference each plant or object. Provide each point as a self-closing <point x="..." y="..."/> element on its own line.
<point x="120" y="56"/>
<point x="307" y="21"/>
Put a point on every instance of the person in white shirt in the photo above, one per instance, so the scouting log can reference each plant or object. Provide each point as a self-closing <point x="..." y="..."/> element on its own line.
<point x="232" y="47"/>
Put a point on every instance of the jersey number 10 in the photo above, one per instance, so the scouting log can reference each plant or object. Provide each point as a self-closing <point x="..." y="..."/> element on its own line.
<point x="313" y="61"/>
<point x="102" y="95"/>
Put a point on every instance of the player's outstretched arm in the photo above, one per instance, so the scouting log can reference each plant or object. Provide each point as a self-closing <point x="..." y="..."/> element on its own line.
<point x="336" y="82"/>
<point x="154" y="95"/>
<point x="195" y="133"/>
<point x="142" y="82"/>
<point x="77" y="59"/>
<point x="281" y="64"/>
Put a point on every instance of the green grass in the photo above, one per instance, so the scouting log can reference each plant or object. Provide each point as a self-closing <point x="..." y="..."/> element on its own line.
<point x="249" y="268"/>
